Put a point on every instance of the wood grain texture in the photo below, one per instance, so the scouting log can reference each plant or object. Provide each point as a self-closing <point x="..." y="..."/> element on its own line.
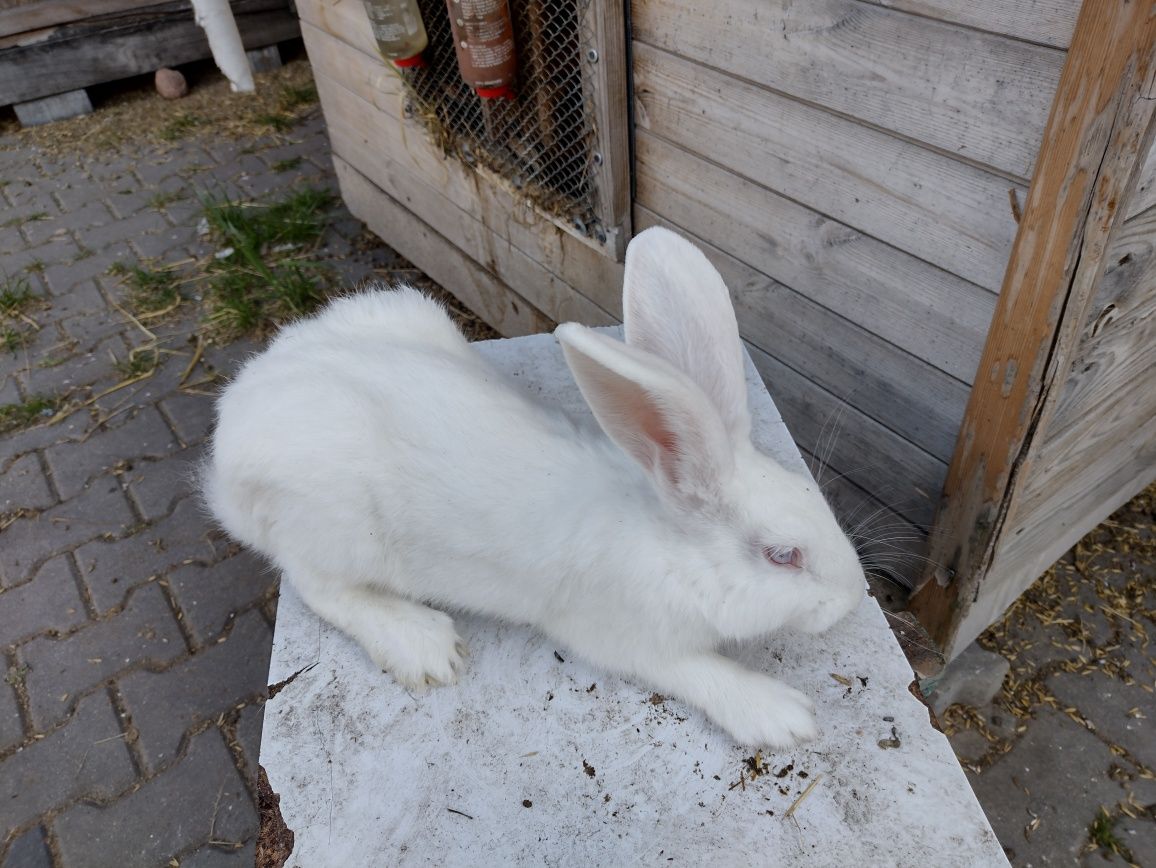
<point x="1144" y="196"/>
<point x="982" y="97"/>
<point x="21" y="17"/>
<point x="872" y="457"/>
<point x="936" y="208"/>
<point x="1099" y="131"/>
<point x="1047" y="22"/>
<point x="369" y="101"/>
<point x="925" y="311"/>
<point x="127" y="43"/>
<point x="892" y="387"/>
<point x="1100" y="446"/>
<point x="484" y="293"/>
<point x="608" y="77"/>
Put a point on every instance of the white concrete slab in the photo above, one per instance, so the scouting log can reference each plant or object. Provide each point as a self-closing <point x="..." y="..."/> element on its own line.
<point x="538" y="759"/>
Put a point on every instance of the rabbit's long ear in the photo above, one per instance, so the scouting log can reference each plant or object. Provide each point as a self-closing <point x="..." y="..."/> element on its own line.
<point x="677" y="307"/>
<point x="657" y="414"/>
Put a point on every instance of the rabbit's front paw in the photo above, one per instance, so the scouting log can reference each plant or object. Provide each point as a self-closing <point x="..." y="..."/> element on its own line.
<point x="767" y="713"/>
<point x="420" y="648"/>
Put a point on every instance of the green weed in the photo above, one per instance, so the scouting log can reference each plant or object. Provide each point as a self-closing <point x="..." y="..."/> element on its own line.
<point x="265" y="278"/>
<point x="287" y="165"/>
<point x="16" y="295"/>
<point x="275" y="121"/>
<point x="27" y="413"/>
<point x="1102" y="834"/>
<point x="295" y="96"/>
<point x="165" y="198"/>
<point x="149" y="290"/>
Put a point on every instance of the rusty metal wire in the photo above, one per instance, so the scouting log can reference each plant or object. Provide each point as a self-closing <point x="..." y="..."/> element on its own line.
<point x="542" y="142"/>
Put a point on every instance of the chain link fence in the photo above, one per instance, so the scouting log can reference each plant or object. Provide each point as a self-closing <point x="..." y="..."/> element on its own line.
<point x="542" y="142"/>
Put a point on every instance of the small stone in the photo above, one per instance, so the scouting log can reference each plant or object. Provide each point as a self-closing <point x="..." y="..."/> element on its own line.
<point x="171" y="84"/>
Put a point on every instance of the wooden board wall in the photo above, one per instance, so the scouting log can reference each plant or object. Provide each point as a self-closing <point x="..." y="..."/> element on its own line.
<point x="855" y="170"/>
<point x="1099" y="448"/>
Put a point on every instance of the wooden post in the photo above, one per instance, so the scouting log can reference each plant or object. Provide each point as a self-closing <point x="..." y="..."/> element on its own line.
<point x="1098" y="132"/>
<point x="606" y="58"/>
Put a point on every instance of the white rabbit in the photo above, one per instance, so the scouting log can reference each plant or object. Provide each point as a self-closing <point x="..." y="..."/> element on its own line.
<point x="384" y="465"/>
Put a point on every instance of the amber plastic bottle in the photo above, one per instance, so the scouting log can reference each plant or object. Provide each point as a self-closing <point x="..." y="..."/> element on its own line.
<point x="398" y="29"/>
<point x="484" y="42"/>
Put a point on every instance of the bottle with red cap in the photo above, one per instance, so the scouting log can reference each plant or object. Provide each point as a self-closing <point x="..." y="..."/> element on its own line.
<point x="484" y="42"/>
<point x="399" y="31"/>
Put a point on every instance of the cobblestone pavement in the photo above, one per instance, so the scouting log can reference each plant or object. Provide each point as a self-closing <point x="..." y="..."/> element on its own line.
<point x="135" y="639"/>
<point x="1069" y="744"/>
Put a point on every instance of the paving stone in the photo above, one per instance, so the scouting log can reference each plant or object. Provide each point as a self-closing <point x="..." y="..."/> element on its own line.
<point x="210" y="596"/>
<point x="1107" y="703"/>
<point x="11" y="728"/>
<point x="88" y="758"/>
<point x="99" y="509"/>
<point x="155" y="486"/>
<point x="98" y="237"/>
<point x="23" y="486"/>
<point x="61" y="669"/>
<point x="972" y="678"/>
<point x="145" y="435"/>
<point x="17" y="443"/>
<point x="165" y="705"/>
<point x="110" y="569"/>
<point x="1064" y="768"/>
<point x="63" y="275"/>
<point x="192" y="416"/>
<point x="166" y="245"/>
<point x="30" y="850"/>
<point x="50" y="601"/>
<point x="202" y="798"/>
<point x="216" y="857"/>
<point x="75" y="371"/>
<point x="93" y="212"/>
<point x="9" y="392"/>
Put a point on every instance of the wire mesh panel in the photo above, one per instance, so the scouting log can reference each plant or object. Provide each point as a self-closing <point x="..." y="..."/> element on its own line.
<point x="543" y="141"/>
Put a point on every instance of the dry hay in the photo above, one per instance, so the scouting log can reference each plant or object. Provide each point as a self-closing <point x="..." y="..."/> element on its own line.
<point x="139" y="116"/>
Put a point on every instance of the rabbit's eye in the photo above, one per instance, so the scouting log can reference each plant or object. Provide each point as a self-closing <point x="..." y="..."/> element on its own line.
<point x="783" y="556"/>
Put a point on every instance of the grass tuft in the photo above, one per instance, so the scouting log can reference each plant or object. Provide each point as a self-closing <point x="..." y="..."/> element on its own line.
<point x="38" y="408"/>
<point x="264" y="277"/>
<point x="149" y="290"/>
<point x="16" y="295"/>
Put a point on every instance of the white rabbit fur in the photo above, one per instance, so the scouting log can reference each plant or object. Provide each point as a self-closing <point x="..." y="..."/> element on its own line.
<point x="383" y="464"/>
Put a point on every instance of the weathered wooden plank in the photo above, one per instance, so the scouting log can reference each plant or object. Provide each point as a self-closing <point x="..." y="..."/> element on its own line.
<point x="1047" y="22"/>
<point x="1144" y="196"/>
<point x="982" y="97"/>
<point x="609" y="74"/>
<point x="485" y="196"/>
<point x="1100" y="446"/>
<point x="483" y="292"/>
<point x="874" y="458"/>
<point x="128" y="43"/>
<point x="21" y="17"/>
<point x="926" y="311"/>
<point x="356" y="135"/>
<point x="948" y="213"/>
<point x="1100" y="129"/>
<point x="901" y="392"/>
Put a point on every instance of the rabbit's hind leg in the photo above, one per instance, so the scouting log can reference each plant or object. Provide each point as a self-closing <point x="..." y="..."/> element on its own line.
<point x="417" y="645"/>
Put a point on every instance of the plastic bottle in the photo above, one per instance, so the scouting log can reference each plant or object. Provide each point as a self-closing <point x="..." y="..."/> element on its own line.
<point x="484" y="42"/>
<point x="399" y="31"/>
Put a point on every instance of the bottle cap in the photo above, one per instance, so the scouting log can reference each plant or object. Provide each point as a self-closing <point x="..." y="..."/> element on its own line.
<point x="503" y="92"/>
<point x="409" y="62"/>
